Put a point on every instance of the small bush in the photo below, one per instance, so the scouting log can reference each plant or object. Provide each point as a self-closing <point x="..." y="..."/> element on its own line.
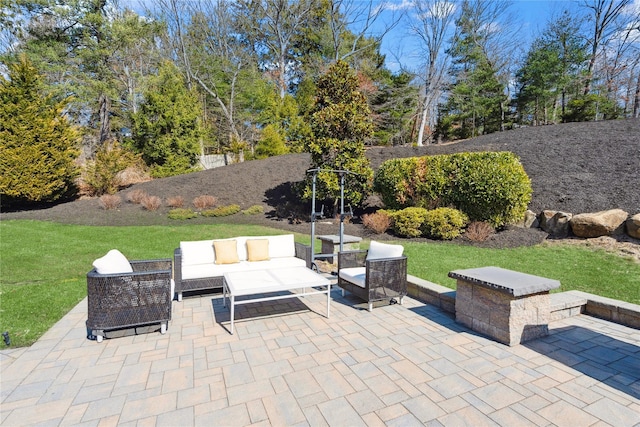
<point x="109" y="201"/>
<point x="101" y="176"/>
<point x="444" y="223"/>
<point x="408" y="222"/>
<point x="136" y="196"/>
<point x="222" y="211"/>
<point x="204" y="202"/>
<point x="479" y="231"/>
<point x="378" y="222"/>
<point x="181" y="213"/>
<point x="151" y="203"/>
<point x="175" y="202"/>
<point x="253" y="210"/>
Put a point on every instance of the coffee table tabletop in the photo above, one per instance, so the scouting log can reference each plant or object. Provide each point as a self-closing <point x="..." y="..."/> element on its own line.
<point x="263" y="282"/>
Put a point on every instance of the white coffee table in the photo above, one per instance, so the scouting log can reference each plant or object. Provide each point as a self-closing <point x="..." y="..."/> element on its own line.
<point x="258" y="282"/>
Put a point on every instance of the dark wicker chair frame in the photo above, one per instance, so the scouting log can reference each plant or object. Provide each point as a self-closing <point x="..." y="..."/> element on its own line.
<point x="217" y="282"/>
<point x="386" y="278"/>
<point x="128" y="300"/>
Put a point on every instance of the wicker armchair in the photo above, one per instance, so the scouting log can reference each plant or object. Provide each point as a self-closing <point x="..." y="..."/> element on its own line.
<point x="372" y="279"/>
<point x="127" y="300"/>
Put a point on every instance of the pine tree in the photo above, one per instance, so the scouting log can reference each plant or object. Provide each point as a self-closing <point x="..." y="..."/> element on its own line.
<point x="38" y="144"/>
<point x="167" y="129"/>
<point x="341" y="123"/>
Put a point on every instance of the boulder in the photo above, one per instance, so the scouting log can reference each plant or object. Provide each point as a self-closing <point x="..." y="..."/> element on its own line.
<point x="633" y="226"/>
<point x="596" y="224"/>
<point x="555" y="223"/>
<point x="531" y="220"/>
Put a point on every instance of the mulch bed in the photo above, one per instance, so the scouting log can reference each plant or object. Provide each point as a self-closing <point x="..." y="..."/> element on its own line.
<point x="575" y="167"/>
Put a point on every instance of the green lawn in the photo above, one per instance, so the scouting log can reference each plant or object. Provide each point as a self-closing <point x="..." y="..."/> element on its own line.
<point x="43" y="265"/>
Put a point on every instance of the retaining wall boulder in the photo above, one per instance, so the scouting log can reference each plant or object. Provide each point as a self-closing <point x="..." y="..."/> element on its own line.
<point x="597" y="224"/>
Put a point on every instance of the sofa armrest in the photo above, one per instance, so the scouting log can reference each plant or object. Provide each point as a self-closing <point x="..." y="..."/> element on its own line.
<point x="387" y="273"/>
<point x="350" y="259"/>
<point x="304" y="252"/>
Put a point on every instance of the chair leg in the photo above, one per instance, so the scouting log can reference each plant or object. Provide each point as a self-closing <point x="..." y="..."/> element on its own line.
<point x="342" y="289"/>
<point x="370" y="306"/>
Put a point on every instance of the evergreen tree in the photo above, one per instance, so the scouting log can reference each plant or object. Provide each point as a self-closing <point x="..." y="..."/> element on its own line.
<point x="38" y="144"/>
<point x="340" y="123"/>
<point x="477" y="96"/>
<point x="167" y="129"/>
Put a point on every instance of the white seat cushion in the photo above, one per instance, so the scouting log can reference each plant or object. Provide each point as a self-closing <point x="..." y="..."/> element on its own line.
<point x="379" y="250"/>
<point x="113" y="262"/>
<point x="355" y="275"/>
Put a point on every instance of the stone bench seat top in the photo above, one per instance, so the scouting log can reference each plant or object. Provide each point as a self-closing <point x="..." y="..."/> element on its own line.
<point x="335" y="239"/>
<point x="507" y="281"/>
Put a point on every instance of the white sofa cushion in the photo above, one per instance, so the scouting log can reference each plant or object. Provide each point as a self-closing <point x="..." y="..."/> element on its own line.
<point x="215" y="270"/>
<point x="379" y="250"/>
<point x="282" y="246"/>
<point x="355" y="275"/>
<point x="197" y="252"/>
<point x="113" y="262"/>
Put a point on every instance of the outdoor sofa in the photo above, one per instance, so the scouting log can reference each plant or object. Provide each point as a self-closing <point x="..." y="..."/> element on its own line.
<point x="124" y="294"/>
<point x="200" y="265"/>
<point x="376" y="274"/>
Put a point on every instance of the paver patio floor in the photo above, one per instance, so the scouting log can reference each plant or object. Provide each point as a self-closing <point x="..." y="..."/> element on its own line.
<point x="287" y="364"/>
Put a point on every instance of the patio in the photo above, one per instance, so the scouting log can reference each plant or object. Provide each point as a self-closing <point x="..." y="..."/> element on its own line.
<point x="287" y="364"/>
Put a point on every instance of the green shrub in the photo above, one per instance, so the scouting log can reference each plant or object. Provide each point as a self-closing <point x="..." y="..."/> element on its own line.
<point x="408" y="222"/>
<point x="253" y="210"/>
<point x="222" y="211"/>
<point x="181" y="213"/>
<point x="487" y="186"/>
<point x="101" y="174"/>
<point x="444" y="223"/>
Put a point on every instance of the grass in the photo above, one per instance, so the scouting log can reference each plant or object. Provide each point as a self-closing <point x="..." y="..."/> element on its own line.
<point x="43" y="265"/>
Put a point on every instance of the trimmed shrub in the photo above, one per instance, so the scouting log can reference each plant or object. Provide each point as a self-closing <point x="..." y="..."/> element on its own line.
<point x="478" y="231"/>
<point x="408" y="222"/>
<point x="253" y="210"/>
<point x="109" y="201"/>
<point x="444" y="223"/>
<point x="136" y="196"/>
<point x="175" y="202"/>
<point x="378" y="222"/>
<point x="487" y="186"/>
<point x="151" y="203"/>
<point x="181" y="213"/>
<point x="204" y="202"/>
<point x="222" y="211"/>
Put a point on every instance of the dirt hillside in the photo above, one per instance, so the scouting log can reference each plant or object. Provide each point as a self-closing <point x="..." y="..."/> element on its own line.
<point x="575" y="167"/>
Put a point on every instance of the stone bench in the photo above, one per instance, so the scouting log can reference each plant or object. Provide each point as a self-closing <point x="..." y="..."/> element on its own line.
<point x="508" y="306"/>
<point x="331" y="244"/>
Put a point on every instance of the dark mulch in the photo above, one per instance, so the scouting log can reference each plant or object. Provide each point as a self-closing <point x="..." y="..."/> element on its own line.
<point x="576" y="168"/>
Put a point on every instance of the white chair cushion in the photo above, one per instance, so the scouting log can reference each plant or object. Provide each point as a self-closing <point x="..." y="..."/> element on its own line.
<point x="355" y="275"/>
<point x="113" y="262"/>
<point x="197" y="252"/>
<point x="379" y="250"/>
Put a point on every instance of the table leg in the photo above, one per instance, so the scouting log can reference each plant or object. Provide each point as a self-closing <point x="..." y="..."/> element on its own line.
<point x="232" y="299"/>
<point x="328" y="298"/>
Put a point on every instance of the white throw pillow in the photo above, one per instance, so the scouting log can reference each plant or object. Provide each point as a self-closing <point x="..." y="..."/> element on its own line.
<point x="113" y="262"/>
<point x="379" y="250"/>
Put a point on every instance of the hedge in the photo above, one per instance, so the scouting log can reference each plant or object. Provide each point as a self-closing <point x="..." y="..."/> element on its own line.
<point x="486" y="186"/>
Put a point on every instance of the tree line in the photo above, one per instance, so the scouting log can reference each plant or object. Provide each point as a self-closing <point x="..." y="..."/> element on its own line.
<point x="186" y="77"/>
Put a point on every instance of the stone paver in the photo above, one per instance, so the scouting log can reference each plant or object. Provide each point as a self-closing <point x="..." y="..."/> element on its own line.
<point x="289" y="365"/>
